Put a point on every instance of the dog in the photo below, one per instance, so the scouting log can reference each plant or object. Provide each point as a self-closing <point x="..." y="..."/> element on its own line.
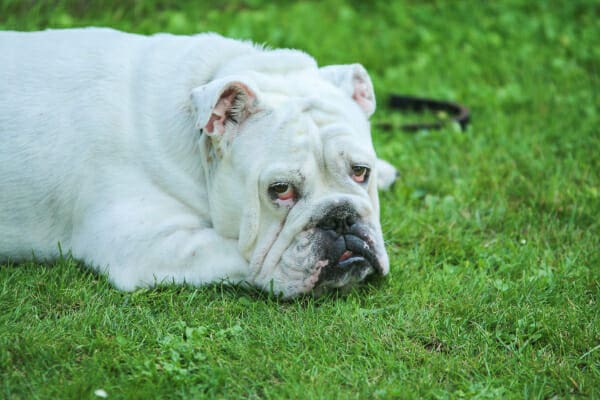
<point x="188" y="159"/>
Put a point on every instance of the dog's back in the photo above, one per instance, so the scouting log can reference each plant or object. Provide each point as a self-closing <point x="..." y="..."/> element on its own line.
<point x="62" y="98"/>
<point x="39" y="80"/>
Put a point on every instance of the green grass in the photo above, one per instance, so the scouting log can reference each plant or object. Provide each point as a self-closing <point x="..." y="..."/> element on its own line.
<point x="494" y="234"/>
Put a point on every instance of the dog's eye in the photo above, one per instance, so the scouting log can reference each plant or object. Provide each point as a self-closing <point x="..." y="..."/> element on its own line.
<point x="360" y="173"/>
<point x="282" y="192"/>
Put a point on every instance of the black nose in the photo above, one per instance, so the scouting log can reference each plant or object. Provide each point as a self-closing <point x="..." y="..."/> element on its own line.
<point x="339" y="219"/>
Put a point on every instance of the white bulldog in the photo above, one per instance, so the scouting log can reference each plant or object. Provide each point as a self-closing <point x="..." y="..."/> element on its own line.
<point x="188" y="159"/>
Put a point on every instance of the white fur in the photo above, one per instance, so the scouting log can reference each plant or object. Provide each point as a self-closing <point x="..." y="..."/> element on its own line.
<point x="101" y="152"/>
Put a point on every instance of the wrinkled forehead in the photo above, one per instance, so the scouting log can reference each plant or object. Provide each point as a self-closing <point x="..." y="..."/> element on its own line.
<point x="304" y="115"/>
<point x="282" y="133"/>
<point x="312" y="124"/>
<point x="311" y="93"/>
<point x="306" y="98"/>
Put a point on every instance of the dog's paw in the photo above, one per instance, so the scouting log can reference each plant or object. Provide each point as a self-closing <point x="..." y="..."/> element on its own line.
<point x="386" y="175"/>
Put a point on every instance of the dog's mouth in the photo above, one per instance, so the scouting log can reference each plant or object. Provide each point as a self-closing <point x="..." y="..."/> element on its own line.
<point x="350" y="260"/>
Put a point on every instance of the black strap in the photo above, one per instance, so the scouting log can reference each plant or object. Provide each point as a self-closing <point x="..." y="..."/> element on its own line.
<point x="457" y="112"/>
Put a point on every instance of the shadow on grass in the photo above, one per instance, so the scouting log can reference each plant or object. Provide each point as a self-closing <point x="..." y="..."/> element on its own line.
<point x="67" y="272"/>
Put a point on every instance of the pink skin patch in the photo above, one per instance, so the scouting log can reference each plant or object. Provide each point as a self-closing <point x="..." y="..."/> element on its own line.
<point x="362" y="96"/>
<point x="359" y="174"/>
<point x="216" y="121"/>
<point x="287" y="195"/>
<point x="311" y="281"/>
<point x="286" y="198"/>
<point x="361" y="92"/>
<point x="358" y="179"/>
<point x="346" y="255"/>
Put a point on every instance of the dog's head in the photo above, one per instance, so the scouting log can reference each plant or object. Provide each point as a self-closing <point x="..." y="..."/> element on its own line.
<point x="292" y="174"/>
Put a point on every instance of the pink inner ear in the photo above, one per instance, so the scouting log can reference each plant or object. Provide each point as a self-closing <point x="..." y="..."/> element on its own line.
<point x="362" y="96"/>
<point x="219" y="113"/>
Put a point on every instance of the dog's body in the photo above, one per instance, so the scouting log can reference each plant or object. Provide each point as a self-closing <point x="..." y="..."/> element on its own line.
<point x="187" y="159"/>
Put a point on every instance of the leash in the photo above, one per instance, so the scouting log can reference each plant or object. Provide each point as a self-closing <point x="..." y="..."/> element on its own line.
<point x="445" y="111"/>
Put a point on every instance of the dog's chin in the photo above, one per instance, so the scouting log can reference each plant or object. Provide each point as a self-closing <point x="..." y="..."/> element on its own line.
<point x="351" y="257"/>
<point x="343" y="276"/>
<point x="306" y="271"/>
<point x="351" y="269"/>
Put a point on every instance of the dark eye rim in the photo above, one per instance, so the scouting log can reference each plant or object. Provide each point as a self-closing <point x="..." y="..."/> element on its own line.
<point x="282" y="186"/>
<point x="276" y="189"/>
<point x="363" y="169"/>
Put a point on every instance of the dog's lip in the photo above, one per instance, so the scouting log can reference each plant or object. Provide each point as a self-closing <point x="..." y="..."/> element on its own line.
<point x="345" y="255"/>
<point x="348" y="249"/>
<point x="343" y="274"/>
<point x="356" y="258"/>
<point x="350" y="261"/>
<point x="359" y="248"/>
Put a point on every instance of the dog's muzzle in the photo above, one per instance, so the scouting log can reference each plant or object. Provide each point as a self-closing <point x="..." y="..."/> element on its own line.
<point x="348" y="249"/>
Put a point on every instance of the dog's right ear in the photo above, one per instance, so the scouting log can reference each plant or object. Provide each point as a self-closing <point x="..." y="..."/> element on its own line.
<point x="354" y="80"/>
<point x="223" y="104"/>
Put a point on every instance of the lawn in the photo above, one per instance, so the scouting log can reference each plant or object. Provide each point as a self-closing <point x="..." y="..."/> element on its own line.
<point x="493" y="233"/>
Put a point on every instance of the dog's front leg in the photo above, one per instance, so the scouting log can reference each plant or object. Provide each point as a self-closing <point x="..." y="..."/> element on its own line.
<point x="141" y="246"/>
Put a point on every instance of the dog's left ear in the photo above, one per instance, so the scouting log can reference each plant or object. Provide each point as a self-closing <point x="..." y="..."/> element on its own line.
<point x="354" y="80"/>
<point x="223" y="104"/>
